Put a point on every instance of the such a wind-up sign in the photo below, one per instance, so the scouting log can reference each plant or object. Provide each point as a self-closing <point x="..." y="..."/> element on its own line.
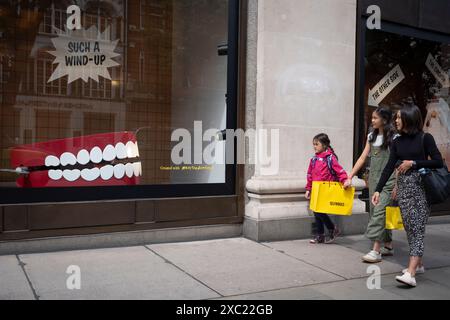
<point x="81" y="53"/>
<point x="383" y="88"/>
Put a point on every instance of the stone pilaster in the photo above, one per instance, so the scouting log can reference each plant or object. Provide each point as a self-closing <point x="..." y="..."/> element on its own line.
<point x="304" y="56"/>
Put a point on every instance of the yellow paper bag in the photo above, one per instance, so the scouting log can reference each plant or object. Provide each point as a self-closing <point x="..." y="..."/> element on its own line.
<point x="394" y="219"/>
<point x="332" y="198"/>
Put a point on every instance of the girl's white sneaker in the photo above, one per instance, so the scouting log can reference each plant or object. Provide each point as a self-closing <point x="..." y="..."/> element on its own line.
<point x="372" y="257"/>
<point x="419" y="270"/>
<point x="407" y="279"/>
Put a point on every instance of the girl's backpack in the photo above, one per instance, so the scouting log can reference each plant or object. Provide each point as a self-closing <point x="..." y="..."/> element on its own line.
<point x="329" y="165"/>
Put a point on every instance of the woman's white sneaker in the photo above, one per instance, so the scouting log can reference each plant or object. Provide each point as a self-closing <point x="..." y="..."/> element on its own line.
<point x="372" y="257"/>
<point x="407" y="279"/>
<point x="419" y="270"/>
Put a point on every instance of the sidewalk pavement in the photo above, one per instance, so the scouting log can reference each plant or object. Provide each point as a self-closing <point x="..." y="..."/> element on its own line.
<point x="237" y="269"/>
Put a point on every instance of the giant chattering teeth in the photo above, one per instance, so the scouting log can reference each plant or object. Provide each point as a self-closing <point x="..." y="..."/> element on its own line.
<point x="110" y="159"/>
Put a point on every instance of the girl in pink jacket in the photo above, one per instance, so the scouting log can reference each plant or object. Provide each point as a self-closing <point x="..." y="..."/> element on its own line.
<point x="324" y="166"/>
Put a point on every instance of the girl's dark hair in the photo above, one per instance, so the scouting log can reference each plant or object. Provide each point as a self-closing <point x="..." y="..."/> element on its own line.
<point x="388" y="129"/>
<point x="412" y="119"/>
<point x="325" y="141"/>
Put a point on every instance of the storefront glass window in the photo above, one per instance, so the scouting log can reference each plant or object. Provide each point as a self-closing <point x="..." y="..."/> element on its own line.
<point x="400" y="69"/>
<point x="92" y="91"/>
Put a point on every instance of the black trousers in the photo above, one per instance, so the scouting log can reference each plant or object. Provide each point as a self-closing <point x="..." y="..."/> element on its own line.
<point x="322" y="221"/>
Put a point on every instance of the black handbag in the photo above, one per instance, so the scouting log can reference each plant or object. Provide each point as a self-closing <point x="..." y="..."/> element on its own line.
<point x="436" y="182"/>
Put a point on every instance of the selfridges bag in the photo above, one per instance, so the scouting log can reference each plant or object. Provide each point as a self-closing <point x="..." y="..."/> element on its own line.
<point x="332" y="198"/>
<point x="394" y="218"/>
<point x="436" y="182"/>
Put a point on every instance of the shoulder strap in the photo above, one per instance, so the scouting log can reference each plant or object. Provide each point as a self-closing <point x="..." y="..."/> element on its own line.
<point x="330" y="167"/>
<point x="423" y="146"/>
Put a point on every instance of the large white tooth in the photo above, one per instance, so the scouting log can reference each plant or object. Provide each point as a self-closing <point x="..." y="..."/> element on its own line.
<point x="137" y="150"/>
<point x="107" y="172"/>
<point x="129" y="170"/>
<point x="51" y="161"/>
<point x="96" y="155"/>
<point x="119" y="171"/>
<point x="71" y="175"/>
<point x="90" y="174"/>
<point x="131" y="150"/>
<point x="83" y="157"/>
<point x="121" y="151"/>
<point x="109" y="154"/>
<point x="55" y="174"/>
<point x="68" y="159"/>
<point x="137" y="168"/>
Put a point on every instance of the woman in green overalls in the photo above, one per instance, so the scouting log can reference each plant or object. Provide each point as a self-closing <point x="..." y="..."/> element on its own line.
<point x="377" y="148"/>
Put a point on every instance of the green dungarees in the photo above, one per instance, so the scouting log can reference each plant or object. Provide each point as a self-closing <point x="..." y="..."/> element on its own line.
<point x="376" y="228"/>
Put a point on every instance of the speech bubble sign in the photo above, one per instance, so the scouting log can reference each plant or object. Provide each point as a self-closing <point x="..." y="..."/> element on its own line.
<point x="83" y="54"/>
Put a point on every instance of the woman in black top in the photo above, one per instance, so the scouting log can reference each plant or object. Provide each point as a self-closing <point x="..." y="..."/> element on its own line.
<point x="411" y="151"/>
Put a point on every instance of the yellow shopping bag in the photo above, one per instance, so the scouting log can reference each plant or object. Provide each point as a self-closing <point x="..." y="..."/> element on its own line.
<point x="332" y="198"/>
<point x="394" y="219"/>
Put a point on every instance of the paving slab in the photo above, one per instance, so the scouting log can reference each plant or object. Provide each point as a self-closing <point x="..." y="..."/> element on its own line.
<point x="239" y="266"/>
<point x="301" y="293"/>
<point x="441" y="276"/>
<point x="426" y="289"/>
<point x="439" y="227"/>
<point x="13" y="282"/>
<point x="334" y="258"/>
<point x="124" y="273"/>
<point x="237" y="269"/>
<point x="357" y="289"/>
<point x="362" y="245"/>
<point x="437" y="254"/>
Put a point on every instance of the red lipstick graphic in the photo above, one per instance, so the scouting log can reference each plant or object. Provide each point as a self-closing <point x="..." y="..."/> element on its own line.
<point x="110" y="159"/>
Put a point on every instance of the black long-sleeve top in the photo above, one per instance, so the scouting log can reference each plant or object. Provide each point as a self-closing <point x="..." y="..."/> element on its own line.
<point x="410" y="148"/>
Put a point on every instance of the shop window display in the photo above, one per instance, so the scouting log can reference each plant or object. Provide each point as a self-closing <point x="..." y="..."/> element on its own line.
<point x="400" y="68"/>
<point x="96" y="105"/>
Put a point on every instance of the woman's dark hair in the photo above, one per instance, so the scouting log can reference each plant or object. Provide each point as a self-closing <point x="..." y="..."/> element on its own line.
<point x="412" y="119"/>
<point x="388" y="129"/>
<point x="325" y="141"/>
